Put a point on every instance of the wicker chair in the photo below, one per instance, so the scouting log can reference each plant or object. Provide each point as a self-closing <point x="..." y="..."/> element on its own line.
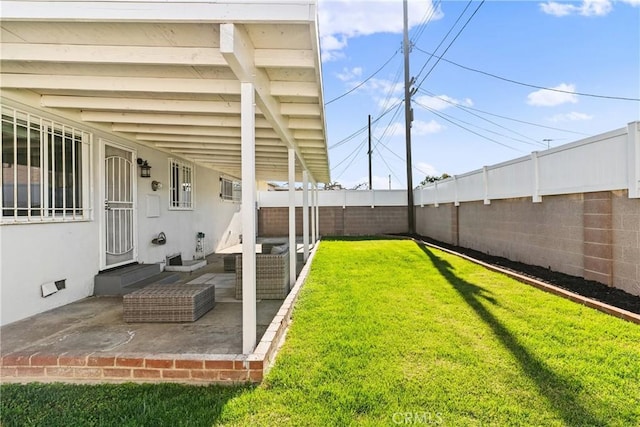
<point x="272" y="276"/>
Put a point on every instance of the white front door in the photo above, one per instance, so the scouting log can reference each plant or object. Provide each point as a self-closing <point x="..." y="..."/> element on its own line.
<point x="119" y="206"/>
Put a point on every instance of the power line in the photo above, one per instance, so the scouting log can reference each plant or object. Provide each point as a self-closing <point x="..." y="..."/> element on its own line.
<point x="468" y="130"/>
<point x="443" y="39"/>
<point x="450" y="44"/>
<point x="425" y="22"/>
<point x="362" y="129"/>
<point x="480" y="127"/>
<point x="465" y="107"/>
<point x="364" y="81"/>
<point x="486" y="120"/>
<point x="464" y="67"/>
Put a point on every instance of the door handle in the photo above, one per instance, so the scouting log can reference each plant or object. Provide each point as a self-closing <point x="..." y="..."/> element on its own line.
<point x="106" y="205"/>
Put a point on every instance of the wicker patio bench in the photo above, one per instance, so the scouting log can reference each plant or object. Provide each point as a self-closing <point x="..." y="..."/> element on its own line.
<point x="169" y="303"/>
<point x="272" y="276"/>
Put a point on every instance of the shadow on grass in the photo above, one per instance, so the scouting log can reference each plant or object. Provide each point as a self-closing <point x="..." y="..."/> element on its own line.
<point x="550" y="385"/>
<point x="114" y="404"/>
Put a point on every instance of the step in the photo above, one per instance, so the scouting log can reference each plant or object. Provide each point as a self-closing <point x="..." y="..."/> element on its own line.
<point x="166" y="277"/>
<point x="113" y="281"/>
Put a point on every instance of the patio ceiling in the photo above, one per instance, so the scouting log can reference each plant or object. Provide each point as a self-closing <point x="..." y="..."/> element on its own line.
<point x="167" y="74"/>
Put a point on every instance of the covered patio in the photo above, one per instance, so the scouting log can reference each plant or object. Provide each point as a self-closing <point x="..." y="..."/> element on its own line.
<point x="89" y="340"/>
<point x="232" y="86"/>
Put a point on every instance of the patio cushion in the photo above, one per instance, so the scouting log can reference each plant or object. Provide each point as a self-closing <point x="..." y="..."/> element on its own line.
<point x="169" y="303"/>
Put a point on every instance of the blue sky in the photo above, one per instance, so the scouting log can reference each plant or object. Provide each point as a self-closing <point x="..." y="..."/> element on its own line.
<point x="590" y="46"/>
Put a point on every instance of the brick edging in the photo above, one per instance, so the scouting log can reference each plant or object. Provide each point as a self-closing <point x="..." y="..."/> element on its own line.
<point x="130" y="367"/>
<point x="547" y="287"/>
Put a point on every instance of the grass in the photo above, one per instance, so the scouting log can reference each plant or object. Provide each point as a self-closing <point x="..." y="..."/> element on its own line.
<point x="389" y="332"/>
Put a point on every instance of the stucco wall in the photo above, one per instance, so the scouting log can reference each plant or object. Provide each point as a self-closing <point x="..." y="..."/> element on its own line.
<point x="34" y="254"/>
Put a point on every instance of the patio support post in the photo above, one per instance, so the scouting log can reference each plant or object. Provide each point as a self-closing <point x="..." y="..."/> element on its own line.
<point x="305" y="214"/>
<point x="317" y="214"/>
<point x="314" y="189"/>
<point x="248" y="141"/>
<point x="292" y="217"/>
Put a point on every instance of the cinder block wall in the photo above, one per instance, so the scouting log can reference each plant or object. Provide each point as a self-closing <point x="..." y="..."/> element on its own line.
<point x="337" y="221"/>
<point x="591" y="235"/>
<point x="625" y="221"/>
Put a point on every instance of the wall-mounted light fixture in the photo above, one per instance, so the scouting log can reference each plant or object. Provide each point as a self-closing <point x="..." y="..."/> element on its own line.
<point x="156" y="185"/>
<point x="145" y="169"/>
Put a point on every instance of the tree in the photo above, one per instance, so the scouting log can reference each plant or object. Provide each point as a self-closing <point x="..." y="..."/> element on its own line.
<point x="429" y="179"/>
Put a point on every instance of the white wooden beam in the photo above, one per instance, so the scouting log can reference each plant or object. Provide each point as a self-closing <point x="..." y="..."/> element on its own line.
<point x="168" y="119"/>
<point x="139" y="104"/>
<point x="302" y="89"/>
<point x="101" y="54"/>
<point x="289" y="58"/>
<point x="249" y="310"/>
<point x="120" y="84"/>
<point x="219" y="147"/>
<point x="313" y="124"/>
<point x="204" y="141"/>
<point x="187" y="130"/>
<point x="299" y="109"/>
<point x="237" y="48"/>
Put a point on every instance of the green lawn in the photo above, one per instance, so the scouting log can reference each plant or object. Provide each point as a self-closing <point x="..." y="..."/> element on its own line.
<point x="388" y="332"/>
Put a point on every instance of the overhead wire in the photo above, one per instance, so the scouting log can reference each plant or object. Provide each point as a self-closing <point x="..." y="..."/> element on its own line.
<point x="450" y="44"/>
<point x="459" y="106"/>
<point x="467" y="129"/>
<point x="464" y="67"/>
<point x="364" y="81"/>
<point x="443" y="39"/>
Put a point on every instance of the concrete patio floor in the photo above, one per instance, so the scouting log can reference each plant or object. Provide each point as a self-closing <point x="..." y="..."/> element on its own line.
<point x="94" y="329"/>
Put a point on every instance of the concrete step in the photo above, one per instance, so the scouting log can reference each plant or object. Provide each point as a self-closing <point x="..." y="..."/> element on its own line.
<point x="165" y="277"/>
<point x="112" y="282"/>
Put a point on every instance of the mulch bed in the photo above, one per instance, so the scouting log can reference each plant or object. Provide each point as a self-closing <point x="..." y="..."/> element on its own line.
<point x="587" y="288"/>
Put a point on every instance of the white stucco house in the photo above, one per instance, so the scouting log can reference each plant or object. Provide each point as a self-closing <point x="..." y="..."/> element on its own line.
<point x="125" y="119"/>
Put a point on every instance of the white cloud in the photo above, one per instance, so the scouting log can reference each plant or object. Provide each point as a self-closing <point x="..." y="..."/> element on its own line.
<point x="442" y="102"/>
<point x="418" y="128"/>
<point x="340" y="20"/>
<point x="349" y="74"/>
<point x="632" y="2"/>
<point x="550" y="98"/>
<point x="425" y="128"/>
<point x="586" y="8"/>
<point x="570" y="117"/>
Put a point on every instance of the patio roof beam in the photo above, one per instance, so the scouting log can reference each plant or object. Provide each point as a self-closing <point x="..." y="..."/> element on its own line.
<point x="238" y="50"/>
<point x="168" y="119"/>
<point x="155" y="55"/>
<point x="204" y="141"/>
<point x="136" y="84"/>
<point x="140" y="104"/>
<point x="188" y="130"/>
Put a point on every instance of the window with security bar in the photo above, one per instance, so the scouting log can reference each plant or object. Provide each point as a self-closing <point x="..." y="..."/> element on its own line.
<point x="44" y="169"/>
<point x="230" y="190"/>
<point x="181" y="186"/>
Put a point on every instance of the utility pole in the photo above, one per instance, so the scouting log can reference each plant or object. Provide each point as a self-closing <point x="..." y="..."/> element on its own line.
<point x="370" y="179"/>
<point x="408" y="113"/>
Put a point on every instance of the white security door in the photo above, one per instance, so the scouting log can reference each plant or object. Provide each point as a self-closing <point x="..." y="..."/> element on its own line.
<point x="119" y="206"/>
